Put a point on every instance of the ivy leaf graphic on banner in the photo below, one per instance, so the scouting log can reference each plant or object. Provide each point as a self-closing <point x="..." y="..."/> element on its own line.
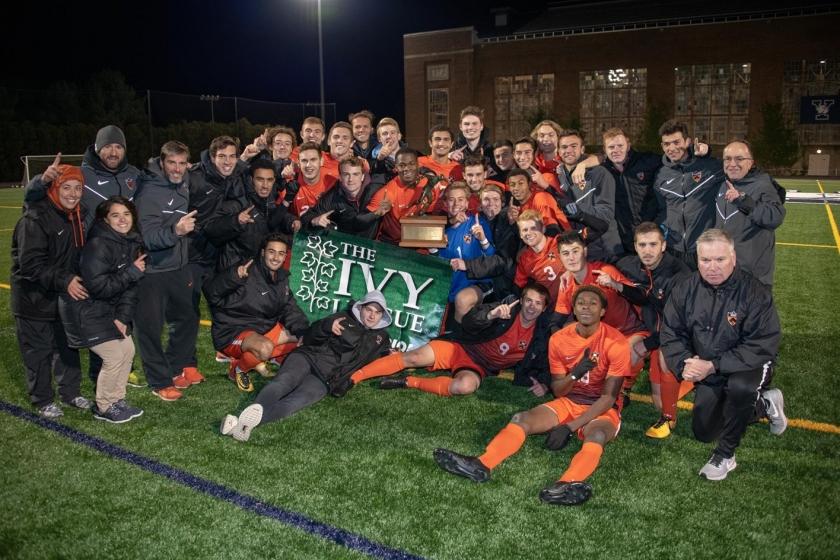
<point x="308" y="259"/>
<point x="327" y="270"/>
<point x="307" y="275"/>
<point x="304" y="293"/>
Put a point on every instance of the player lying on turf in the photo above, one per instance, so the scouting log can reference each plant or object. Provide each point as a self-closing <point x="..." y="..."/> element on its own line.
<point x="589" y="361"/>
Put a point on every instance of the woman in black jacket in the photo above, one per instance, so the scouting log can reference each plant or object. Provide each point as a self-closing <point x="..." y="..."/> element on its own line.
<point x="45" y="246"/>
<point x="334" y="347"/>
<point x="111" y="264"/>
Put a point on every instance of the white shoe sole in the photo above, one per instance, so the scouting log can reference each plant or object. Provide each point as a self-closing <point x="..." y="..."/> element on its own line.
<point x="719" y="477"/>
<point x="248" y="420"/>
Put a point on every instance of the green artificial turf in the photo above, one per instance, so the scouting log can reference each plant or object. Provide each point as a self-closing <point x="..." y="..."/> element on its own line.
<point x="364" y="463"/>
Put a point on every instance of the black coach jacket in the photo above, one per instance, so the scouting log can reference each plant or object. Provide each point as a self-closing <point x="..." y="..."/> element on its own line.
<point x="635" y="201"/>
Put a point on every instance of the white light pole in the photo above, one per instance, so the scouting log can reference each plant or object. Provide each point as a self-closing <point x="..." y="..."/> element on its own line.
<point x="321" y="63"/>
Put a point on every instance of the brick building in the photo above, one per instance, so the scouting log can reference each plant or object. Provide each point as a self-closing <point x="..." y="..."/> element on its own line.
<point x="715" y="72"/>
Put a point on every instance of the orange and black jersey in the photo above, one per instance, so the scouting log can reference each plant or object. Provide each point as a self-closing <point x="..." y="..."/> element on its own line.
<point x="307" y="195"/>
<point x="608" y="348"/>
<point x="405" y="201"/>
<point x="620" y="313"/>
<point x="442" y="169"/>
<point x="547" y="207"/>
<point x="544" y="267"/>
<point x="504" y="351"/>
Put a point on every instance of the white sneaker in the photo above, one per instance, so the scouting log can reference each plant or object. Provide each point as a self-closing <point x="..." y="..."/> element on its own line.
<point x="248" y="420"/>
<point x="718" y="467"/>
<point x="228" y="424"/>
<point x="775" y="403"/>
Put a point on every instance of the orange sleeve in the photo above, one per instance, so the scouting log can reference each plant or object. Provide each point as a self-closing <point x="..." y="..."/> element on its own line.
<point x="618" y="353"/>
<point x="378" y="197"/>
<point x="551" y="178"/>
<point x="564" y="299"/>
<point x="555" y="355"/>
<point x="616" y="275"/>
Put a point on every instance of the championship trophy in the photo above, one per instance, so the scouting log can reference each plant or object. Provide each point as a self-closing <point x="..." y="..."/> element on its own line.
<point x="420" y="229"/>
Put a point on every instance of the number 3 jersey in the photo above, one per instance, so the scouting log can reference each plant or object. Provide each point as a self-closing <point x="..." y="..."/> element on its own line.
<point x="608" y="348"/>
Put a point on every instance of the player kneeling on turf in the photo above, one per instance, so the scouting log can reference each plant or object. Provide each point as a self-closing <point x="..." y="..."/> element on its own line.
<point x="589" y="361"/>
<point x="333" y="348"/>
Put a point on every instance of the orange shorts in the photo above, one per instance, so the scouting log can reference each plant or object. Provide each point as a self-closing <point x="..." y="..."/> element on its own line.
<point x="452" y="356"/>
<point x="234" y="349"/>
<point x="566" y="410"/>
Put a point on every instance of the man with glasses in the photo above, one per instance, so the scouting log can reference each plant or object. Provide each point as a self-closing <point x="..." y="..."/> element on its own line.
<point x="749" y="209"/>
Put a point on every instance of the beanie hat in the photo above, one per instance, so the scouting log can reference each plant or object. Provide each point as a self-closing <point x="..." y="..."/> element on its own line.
<point x="67" y="173"/>
<point x="110" y="134"/>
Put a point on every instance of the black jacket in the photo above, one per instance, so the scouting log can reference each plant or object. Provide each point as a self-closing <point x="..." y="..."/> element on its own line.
<point x="752" y="222"/>
<point x="335" y="358"/>
<point x="657" y="284"/>
<point x="239" y="242"/>
<point x="207" y="192"/>
<point x="256" y="302"/>
<point x="596" y="199"/>
<point x="101" y="183"/>
<point x="685" y="195"/>
<point x="44" y="258"/>
<point x="734" y="325"/>
<point x="160" y="204"/>
<point x="349" y="217"/>
<point x="110" y="278"/>
<point x="635" y="201"/>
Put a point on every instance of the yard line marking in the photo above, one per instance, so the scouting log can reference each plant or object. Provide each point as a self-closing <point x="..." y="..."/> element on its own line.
<point x="806" y="245"/>
<point x="248" y="503"/>
<point x="830" y="218"/>
<point x="12" y="207"/>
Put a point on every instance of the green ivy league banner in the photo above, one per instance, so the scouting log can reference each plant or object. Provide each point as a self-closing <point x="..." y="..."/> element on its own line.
<point x="329" y="269"/>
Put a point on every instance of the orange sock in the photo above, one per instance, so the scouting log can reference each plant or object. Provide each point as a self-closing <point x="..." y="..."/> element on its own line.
<point x="248" y="361"/>
<point x="672" y="390"/>
<point x="391" y="363"/>
<point x="436" y="385"/>
<point x="506" y="443"/>
<point x="685" y="388"/>
<point x="583" y="463"/>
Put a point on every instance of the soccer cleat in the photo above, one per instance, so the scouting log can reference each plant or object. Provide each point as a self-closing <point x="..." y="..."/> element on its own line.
<point x="462" y="465"/>
<point x="775" y="405"/>
<point x="393" y="383"/>
<point x="718" y="467"/>
<point x="661" y="428"/>
<point x="566" y="493"/>
<point x="79" y="402"/>
<point x="222" y="358"/>
<point x="134" y="380"/>
<point x="248" y="420"/>
<point x="50" y="411"/>
<point x="114" y="414"/>
<point x="168" y="393"/>
<point x="228" y="424"/>
<point x="243" y="381"/>
<point x="192" y="375"/>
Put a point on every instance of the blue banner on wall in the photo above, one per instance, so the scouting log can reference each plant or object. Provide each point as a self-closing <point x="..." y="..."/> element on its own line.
<point x="820" y="109"/>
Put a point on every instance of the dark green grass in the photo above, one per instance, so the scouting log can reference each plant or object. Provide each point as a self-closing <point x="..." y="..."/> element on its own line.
<point x="364" y="463"/>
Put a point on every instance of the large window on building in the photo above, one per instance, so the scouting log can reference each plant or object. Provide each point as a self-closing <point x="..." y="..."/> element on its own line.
<point x="805" y="78"/>
<point x="714" y="100"/>
<point x="615" y="97"/>
<point x="438" y="106"/>
<point x="518" y="99"/>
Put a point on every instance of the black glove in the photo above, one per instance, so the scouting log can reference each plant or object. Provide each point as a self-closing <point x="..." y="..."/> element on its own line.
<point x="558" y="437"/>
<point x="340" y="389"/>
<point x="571" y="210"/>
<point x="585" y="364"/>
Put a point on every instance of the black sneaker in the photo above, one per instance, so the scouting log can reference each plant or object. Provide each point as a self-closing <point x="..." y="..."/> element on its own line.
<point x="114" y="414"/>
<point x="393" y="383"/>
<point x="566" y="493"/>
<point x="462" y="465"/>
<point x="133" y="411"/>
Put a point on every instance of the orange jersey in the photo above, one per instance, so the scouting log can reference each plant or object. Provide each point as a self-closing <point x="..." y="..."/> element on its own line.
<point x="551" y="179"/>
<point x="504" y="351"/>
<point x="546" y="166"/>
<point x="442" y="169"/>
<point x="607" y="347"/>
<point x="547" y="207"/>
<point x="404" y="202"/>
<point x="308" y="195"/>
<point x="544" y="268"/>
<point x="620" y="313"/>
<point x="331" y="166"/>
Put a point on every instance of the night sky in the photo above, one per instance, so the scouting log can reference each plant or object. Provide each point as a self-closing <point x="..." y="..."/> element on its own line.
<point x="262" y="49"/>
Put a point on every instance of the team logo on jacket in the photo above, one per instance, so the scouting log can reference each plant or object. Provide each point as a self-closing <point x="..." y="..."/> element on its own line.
<point x="640" y="175"/>
<point x="467" y="238"/>
<point x="696" y="176"/>
<point x="732" y="318"/>
<point x="130" y="184"/>
<point x="379" y="339"/>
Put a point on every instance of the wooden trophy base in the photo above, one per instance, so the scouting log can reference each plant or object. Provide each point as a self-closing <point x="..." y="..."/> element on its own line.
<point x="423" y="231"/>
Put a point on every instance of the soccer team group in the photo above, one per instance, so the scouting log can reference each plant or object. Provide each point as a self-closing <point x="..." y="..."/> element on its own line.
<point x="573" y="270"/>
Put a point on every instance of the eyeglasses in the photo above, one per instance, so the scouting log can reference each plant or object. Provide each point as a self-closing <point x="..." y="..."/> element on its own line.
<point x="738" y="159"/>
